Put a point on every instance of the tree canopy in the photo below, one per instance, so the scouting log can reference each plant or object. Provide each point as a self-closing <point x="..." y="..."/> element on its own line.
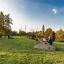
<point x="5" y="24"/>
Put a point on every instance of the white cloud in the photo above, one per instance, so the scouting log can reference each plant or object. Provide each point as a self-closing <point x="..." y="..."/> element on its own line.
<point x="55" y="11"/>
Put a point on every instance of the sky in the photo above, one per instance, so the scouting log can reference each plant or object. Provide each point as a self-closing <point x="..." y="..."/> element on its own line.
<point x="32" y="14"/>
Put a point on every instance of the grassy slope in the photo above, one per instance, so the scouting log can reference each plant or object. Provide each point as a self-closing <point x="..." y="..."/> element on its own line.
<point x="17" y="44"/>
<point x="20" y="50"/>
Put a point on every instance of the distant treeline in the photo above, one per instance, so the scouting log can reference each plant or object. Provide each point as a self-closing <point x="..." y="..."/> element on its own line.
<point x="57" y="36"/>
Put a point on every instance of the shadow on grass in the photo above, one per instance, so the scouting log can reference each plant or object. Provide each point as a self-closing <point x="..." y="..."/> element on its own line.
<point x="58" y="48"/>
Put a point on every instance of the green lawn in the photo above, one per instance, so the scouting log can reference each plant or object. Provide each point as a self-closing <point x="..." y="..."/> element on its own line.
<point x="20" y="50"/>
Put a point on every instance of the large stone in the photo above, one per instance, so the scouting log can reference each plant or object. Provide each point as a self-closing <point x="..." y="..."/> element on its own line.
<point x="44" y="45"/>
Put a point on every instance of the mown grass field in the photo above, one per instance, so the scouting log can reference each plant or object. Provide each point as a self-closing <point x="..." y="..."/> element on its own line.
<point x="20" y="50"/>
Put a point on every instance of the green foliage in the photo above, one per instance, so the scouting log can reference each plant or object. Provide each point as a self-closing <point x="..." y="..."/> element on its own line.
<point x="5" y="22"/>
<point x="17" y="44"/>
<point x="59" y="35"/>
<point x="48" y="32"/>
<point x="22" y="33"/>
<point x="14" y="33"/>
<point x="40" y="34"/>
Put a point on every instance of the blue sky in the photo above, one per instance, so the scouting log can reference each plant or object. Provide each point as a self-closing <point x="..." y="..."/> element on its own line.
<point x="34" y="13"/>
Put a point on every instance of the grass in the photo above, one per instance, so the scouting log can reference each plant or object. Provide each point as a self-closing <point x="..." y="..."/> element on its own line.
<point x="17" y="44"/>
<point x="20" y="50"/>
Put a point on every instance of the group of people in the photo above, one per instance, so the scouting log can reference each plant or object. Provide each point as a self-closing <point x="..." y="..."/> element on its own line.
<point x="45" y="43"/>
<point x="49" y="40"/>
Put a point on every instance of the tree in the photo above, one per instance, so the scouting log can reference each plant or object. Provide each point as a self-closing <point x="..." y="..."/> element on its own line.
<point x="43" y="29"/>
<point x="59" y="35"/>
<point x="5" y="24"/>
<point x="51" y="33"/>
<point x="22" y="33"/>
<point x="53" y="36"/>
<point x="1" y="23"/>
<point x="14" y="33"/>
<point x="48" y="33"/>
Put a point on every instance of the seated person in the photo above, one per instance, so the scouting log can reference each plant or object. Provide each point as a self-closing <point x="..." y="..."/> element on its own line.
<point x="50" y="40"/>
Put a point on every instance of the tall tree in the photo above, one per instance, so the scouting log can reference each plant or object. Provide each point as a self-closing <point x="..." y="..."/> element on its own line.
<point x="1" y="23"/>
<point x="5" y="24"/>
<point x="43" y="29"/>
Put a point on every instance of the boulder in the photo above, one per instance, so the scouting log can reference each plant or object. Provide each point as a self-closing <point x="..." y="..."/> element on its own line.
<point x="44" y="45"/>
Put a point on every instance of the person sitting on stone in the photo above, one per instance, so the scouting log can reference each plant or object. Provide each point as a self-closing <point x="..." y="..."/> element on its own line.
<point x="50" y="40"/>
<point x="44" y="40"/>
